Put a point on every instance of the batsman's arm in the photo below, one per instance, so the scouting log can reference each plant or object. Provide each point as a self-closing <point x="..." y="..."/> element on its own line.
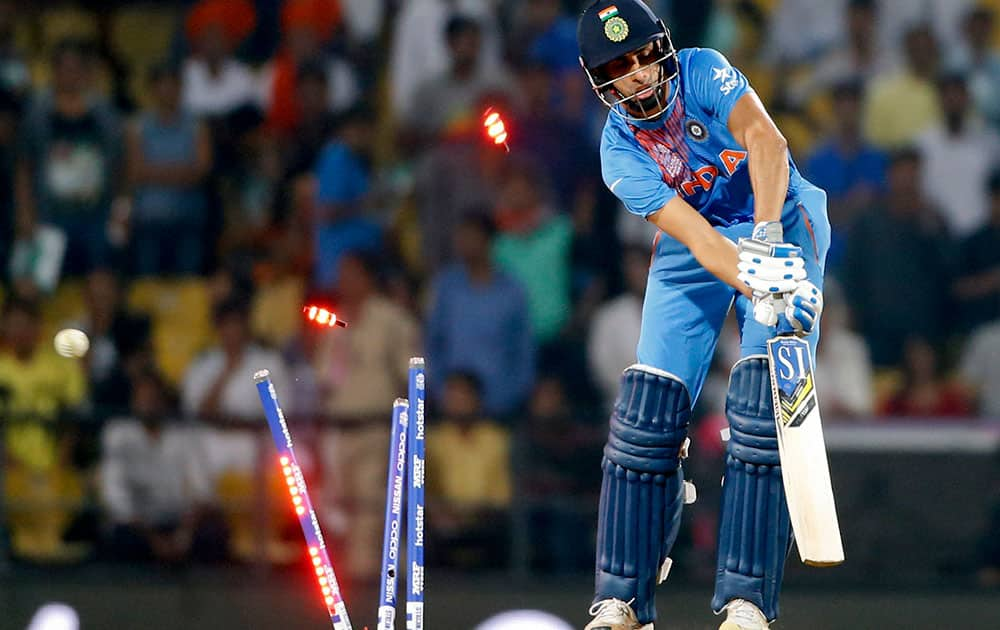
<point x="711" y="249"/>
<point x="767" y="152"/>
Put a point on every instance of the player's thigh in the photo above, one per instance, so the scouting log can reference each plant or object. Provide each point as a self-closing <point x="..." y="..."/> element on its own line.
<point x="683" y="312"/>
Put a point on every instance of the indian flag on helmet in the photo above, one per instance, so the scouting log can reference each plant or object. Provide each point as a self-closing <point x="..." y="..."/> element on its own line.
<point x="608" y="13"/>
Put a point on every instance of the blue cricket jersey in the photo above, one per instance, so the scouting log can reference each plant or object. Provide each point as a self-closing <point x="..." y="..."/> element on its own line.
<point x="689" y="150"/>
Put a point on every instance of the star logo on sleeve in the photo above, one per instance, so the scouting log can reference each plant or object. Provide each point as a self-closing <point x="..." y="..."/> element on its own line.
<point x="727" y="77"/>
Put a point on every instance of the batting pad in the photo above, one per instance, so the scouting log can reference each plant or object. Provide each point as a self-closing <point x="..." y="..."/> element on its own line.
<point x="643" y="491"/>
<point x="754" y="526"/>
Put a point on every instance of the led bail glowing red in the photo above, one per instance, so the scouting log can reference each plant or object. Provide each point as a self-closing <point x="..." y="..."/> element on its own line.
<point x="495" y="128"/>
<point x="322" y="317"/>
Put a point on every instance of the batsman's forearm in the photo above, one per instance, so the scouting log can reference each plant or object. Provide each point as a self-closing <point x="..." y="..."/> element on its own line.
<point x="720" y="257"/>
<point x="768" y="164"/>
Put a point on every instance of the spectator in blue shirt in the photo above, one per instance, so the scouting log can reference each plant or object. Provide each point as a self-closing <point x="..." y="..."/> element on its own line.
<point x="479" y="322"/>
<point x="168" y="158"/>
<point x="555" y="43"/>
<point x="343" y="182"/>
<point x="846" y="166"/>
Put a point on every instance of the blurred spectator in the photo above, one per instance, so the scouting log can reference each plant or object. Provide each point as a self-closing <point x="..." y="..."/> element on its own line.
<point x="943" y="16"/>
<point x="359" y="374"/>
<point x="895" y="293"/>
<point x="977" y="287"/>
<point x="846" y="166"/>
<point x="961" y="151"/>
<point x="475" y="305"/>
<point x="857" y="58"/>
<point x="249" y="168"/>
<point x="300" y="357"/>
<point x="449" y="179"/>
<point x="902" y="104"/>
<point x="37" y="389"/>
<point x="214" y="81"/>
<point x="468" y="479"/>
<point x="68" y="168"/>
<point x="168" y="156"/>
<point x="216" y="386"/>
<point x="444" y="104"/>
<point x="926" y="392"/>
<point x="117" y="339"/>
<point x="548" y="37"/>
<point x="307" y="27"/>
<point x="419" y="49"/>
<point x="15" y="76"/>
<point x="978" y="59"/>
<point x="218" y="390"/>
<point x="801" y="30"/>
<point x="343" y="172"/>
<point x="546" y="134"/>
<point x="534" y="247"/>
<point x="614" y="330"/>
<point x="843" y="364"/>
<point x="301" y="147"/>
<point x="152" y="483"/>
<point x="980" y="370"/>
<point x="557" y="467"/>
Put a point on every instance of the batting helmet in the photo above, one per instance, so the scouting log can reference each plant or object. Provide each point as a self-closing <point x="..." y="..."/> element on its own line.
<point x="610" y="29"/>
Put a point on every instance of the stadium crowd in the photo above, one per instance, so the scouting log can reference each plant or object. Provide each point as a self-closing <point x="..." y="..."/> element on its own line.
<point x="204" y="169"/>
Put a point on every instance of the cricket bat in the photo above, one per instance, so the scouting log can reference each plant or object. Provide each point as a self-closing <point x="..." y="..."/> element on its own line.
<point x="804" y="467"/>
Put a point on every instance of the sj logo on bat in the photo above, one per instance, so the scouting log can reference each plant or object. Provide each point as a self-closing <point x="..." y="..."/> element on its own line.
<point x="794" y="375"/>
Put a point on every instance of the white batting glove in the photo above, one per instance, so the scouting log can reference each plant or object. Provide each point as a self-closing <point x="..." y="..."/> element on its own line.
<point x="803" y="307"/>
<point x="765" y="311"/>
<point x="770" y="267"/>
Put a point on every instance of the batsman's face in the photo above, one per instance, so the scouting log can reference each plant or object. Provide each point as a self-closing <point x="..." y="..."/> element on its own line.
<point x="636" y="73"/>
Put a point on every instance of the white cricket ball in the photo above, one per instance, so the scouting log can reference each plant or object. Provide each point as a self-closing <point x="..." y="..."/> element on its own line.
<point x="70" y="342"/>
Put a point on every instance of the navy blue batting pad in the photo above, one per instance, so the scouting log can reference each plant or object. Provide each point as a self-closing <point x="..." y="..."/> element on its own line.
<point x="754" y="527"/>
<point x="643" y="492"/>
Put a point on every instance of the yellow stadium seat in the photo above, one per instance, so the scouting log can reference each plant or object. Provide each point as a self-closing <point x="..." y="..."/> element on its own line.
<point x="141" y="37"/>
<point x="181" y="314"/>
<point x="66" y="22"/>
<point x="276" y="312"/>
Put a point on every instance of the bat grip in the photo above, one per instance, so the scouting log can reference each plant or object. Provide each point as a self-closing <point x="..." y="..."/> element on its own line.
<point x="785" y="327"/>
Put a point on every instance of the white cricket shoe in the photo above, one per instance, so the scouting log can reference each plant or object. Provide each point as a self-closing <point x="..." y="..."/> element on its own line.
<point x="743" y="615"/>
<point x="614" y="614"/>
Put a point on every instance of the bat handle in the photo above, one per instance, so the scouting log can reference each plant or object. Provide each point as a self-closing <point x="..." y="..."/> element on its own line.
<point x="784" y="326"/>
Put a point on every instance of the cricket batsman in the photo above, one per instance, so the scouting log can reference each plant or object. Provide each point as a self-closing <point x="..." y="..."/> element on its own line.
<point x="689" y="147"/>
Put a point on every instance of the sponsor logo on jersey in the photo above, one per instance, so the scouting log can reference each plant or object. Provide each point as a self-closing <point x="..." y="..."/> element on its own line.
<point x="695" y="130"/>
<point x="727" y="77"/>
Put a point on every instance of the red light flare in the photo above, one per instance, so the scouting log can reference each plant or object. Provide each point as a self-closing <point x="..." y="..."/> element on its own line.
<point x="322" y="317"/>
<point x="495" y="127"/>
